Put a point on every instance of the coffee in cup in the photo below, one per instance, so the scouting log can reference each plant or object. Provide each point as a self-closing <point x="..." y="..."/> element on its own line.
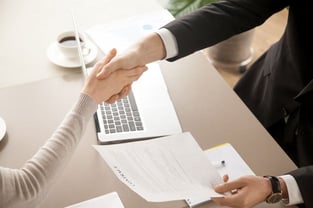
<point x="67" y="44"/>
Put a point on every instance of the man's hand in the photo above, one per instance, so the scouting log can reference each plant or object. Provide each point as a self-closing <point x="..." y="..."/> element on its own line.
<point x="130" y="59"/>
<point x="146" y="50"/>
<point x="244" y="192"/>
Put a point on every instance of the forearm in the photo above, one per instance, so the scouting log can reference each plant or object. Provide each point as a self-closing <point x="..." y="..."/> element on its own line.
<point x="27" y="186"/>
<point x="150" y="49"/>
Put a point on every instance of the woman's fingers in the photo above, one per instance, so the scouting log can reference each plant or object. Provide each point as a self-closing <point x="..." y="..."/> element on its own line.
<point x="103" y="63"/>
<point x="100" y="64"/>
<point x="132" y="75"/>
<point x="108" y="68"/>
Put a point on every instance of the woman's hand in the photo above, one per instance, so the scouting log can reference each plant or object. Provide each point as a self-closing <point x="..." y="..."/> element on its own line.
<point x="145" y="51"/>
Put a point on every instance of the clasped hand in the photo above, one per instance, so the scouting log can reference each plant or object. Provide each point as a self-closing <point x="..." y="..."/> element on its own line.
<point x="112" y="86"/>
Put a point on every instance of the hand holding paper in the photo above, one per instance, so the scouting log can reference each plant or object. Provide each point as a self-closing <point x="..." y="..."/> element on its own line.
<point x="163" y="169"/>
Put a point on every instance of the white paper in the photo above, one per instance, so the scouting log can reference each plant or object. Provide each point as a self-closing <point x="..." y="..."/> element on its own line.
<point x="163" y="169"/>
<point x="234" y="166"/>
<point x="120" y="34"/>
<point x="110" y="200"/>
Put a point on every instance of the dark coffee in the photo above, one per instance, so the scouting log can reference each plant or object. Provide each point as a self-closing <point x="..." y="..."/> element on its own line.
<point x="69" y="41"/>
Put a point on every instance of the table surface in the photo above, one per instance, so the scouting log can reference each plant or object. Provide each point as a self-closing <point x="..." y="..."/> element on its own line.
<point x="35" y="95"/>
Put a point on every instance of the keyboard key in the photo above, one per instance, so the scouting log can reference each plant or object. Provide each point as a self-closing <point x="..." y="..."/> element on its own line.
<point x="122" y="116"/>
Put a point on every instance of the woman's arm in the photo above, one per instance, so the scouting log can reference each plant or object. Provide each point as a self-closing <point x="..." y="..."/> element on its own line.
<point x="27" y="186"/>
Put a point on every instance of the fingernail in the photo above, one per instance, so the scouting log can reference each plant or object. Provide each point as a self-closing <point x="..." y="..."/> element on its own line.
<point x="217" y="186"/>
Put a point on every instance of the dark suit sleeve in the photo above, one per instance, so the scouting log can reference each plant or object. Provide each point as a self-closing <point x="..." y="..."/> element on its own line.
<point x="218" y="21"/>
<point x="304" y="178"/>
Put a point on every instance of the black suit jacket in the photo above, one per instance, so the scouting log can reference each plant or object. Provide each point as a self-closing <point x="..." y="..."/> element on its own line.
<point x="280" y="82"/>
<point x="304" y="178"/>
<point x="270" y="85"/>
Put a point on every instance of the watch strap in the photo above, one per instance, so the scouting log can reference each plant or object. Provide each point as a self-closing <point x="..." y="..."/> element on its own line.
<point x="275" y="184"/>
<point x="276" y="194"/>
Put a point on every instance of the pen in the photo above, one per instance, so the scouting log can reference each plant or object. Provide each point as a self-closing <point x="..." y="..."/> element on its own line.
<point x="219" y="164"/>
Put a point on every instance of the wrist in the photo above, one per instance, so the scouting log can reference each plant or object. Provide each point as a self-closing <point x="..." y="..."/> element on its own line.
<point x="152" y="49"/>
<point x="90" y="90"/>
<point x="276" y="190"/>
<point x="283" y="188"/>
<point x="268" y="190"/>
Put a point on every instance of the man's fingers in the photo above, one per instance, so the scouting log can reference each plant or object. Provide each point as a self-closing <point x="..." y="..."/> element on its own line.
<point x="112" y="53"/>
<point x="125" y="91"/>
<point x="225" y="178"/>
<point x="103" y="72"/>
<point x="107" y="69"/>
<point x="228" y="187"/>
<point x="113" y="99"/>
<point x="137" y="71"/>
<point x="131" y="75"/>
<point x="229" y="201"/>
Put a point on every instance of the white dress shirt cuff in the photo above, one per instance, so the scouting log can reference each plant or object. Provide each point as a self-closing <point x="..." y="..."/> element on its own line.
<point x="169" y="42"/>
<point x="294" y="193"/>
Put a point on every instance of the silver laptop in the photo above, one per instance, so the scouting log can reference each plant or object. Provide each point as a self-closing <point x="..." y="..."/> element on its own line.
<point x="145" y="113"/>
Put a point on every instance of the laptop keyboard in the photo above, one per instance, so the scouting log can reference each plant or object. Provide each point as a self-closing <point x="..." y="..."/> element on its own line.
<point x="121" y="116"/>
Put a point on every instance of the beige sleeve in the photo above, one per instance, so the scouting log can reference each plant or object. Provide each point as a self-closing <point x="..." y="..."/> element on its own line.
<point x="27" y="186"/>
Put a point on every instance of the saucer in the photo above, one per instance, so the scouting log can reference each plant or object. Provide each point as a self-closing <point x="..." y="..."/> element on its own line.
<point x="55" y="56"/>
<point x="2" y="128"/>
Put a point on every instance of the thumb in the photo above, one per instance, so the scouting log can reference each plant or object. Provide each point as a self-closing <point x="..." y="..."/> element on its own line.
<point x="109" y="68"/>
<point x="227" y="187"/>
<point x="103" y="72"/>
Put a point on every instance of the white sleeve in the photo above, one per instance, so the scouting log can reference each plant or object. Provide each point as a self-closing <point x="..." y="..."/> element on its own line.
<point x="294" y="193"/>
<point x="169" y="42"/>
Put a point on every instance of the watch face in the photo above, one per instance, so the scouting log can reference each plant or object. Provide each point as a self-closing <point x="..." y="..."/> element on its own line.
<point x="274" y="198"/>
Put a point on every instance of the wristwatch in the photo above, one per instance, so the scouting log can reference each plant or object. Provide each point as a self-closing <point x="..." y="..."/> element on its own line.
<point x="277" y="194"/>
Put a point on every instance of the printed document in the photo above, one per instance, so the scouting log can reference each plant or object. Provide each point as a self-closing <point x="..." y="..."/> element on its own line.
<point x="163" y="169"/>
<point x="233" y="165"/>
<point x="110" y="200"/>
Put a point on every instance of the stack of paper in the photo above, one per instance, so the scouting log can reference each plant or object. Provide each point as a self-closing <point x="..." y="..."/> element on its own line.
<point x="110" y="200"/>
<point x="163" y="169"/>
<point x="173" y="167"/>
<point x="233" y="165"/>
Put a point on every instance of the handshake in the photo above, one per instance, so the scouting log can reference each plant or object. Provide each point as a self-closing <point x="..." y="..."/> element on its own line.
<point x="109" y="80"/>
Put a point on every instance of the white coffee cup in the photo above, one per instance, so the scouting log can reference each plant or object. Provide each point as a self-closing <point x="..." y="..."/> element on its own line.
<point x="67" y="44"/>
